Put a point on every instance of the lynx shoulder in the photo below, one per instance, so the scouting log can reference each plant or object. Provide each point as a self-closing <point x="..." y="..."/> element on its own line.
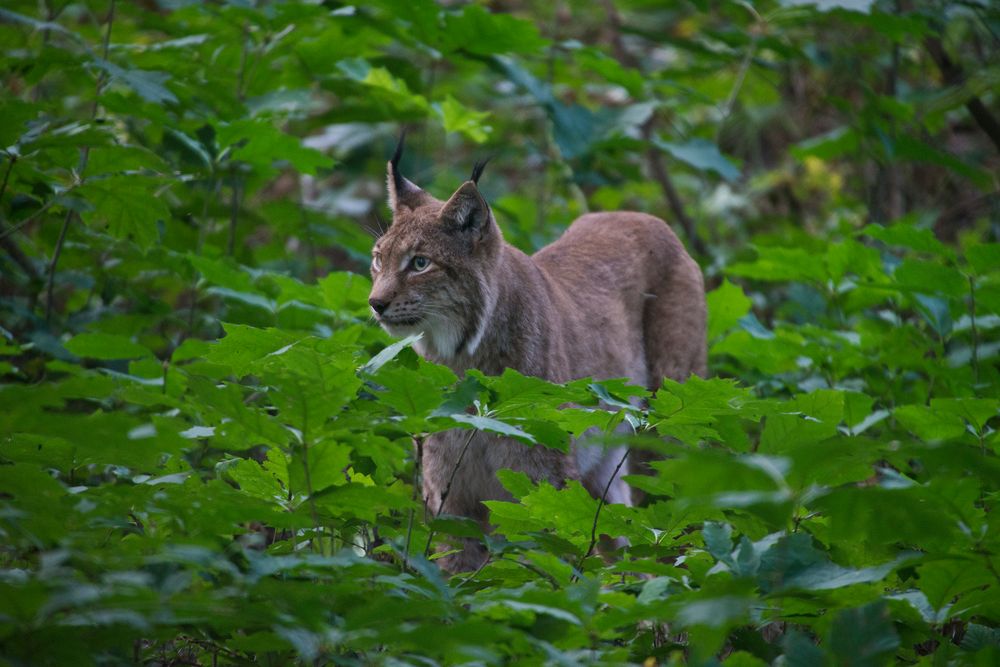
<point x="616" y="296"/>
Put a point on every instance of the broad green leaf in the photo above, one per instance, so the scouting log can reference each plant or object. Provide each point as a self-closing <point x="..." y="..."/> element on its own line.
<point x="493" y="426"/>
<point x="863" y="636"/>
<point x="458" y="118"/>
<point x="149" y="85"/>
<point x="263" y="145"/>
<point x="105" y="346"/>
<point x="835" y="143"/>
<point x="478" y="31"/>
<point x="908" y="236"/>
<point x="930" y="278"/>
<point x="930" y="424"/>
<point x="984" y="257"/>
<point x="781" y="264"/>
<point x="388" y="354"/>
<point x="244" y="347"/>
<point x="701" y="154"/>
<point x="327" y="466"/>
<point x="726" y="305"/>
<point x="126" y="206"/>
<point x="943" y="580"/>
<point x="254" y="479"/>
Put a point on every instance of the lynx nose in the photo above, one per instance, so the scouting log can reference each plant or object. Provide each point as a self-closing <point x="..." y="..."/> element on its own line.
<point x="378" y="305"/>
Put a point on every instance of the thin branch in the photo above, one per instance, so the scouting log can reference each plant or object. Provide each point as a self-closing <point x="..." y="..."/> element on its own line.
<point x="84" y="157"/>
<point x="661" y="176"/>
<point x="51" y="271"/>
<point x="419" y="445"/>
<point x="975" y="329"/>
<point x="8" y="242"/>
<point x="600" y="505"/>
<point x="475" y="574"/>
<point x="447" y="488"/>
<point x="234" y="212"/>
<point x="537" y="570"/>
<point x="955" y="76"/>
<point x="454" y="471"/>
<point x="31" y="218"/>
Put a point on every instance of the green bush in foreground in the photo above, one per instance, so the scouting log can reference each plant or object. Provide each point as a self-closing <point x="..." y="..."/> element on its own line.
<point x="206" y="447"/>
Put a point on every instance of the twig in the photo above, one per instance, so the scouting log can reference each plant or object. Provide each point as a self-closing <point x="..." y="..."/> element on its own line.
<point x="741" y="74"/>
<point x="447" y="488"/>
<point x="975" y="329"/>
<point x="954" y="76"/>
<point x="8" y="242"/>
<point x="479" y="569"/>
<point x="419" y="443"/>
<point x="454" y="471"/>
<point x="51" y="271"/>
<point x="537" y="570"/>
<point x="84" y="157"/>
<point x="234" y="211"/>
<point x="597" y="515"/>
<point x="661" y="176"/>
<point x="13" y="229"/>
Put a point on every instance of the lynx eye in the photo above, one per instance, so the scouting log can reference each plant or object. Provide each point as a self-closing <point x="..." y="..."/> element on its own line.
<point x="377" y="262"/>
<point x="419" y="264"/>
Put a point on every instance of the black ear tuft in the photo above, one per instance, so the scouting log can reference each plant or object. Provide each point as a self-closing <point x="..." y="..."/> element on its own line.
<point x="397" y="154"/>
<point x="477" y="170"/>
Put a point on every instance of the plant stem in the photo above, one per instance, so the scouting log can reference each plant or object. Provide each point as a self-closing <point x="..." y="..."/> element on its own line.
<point x="661" y="176"/>
<point x="234" y="211"/>
<point x="597" y="515"/>
<point x="975" y="330"/>
<point x="447" y="488"/>
<point x="419" y="446"/>
<point x="84" y="157"/>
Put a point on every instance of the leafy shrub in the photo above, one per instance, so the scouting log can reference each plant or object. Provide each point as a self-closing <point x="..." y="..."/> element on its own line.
<point x="206" y="447"/>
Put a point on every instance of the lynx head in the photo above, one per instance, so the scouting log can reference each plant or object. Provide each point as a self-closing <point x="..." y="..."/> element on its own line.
<point x="432" y="271"/>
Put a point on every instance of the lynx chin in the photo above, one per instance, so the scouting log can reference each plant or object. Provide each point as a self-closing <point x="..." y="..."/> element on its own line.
<point x="616" y="296"/>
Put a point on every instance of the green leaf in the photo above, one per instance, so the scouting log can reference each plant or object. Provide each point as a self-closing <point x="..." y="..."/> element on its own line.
<point x="863" y="636"/>
<point x="493" y="426"/>
<point x="388" y="354"/>
<point x="244" y="347"/>
<point x="929" y="424"/>
<point x="930" y="278"/>
<point x="776" y="263"/>
<point x="262" y="145"/>
<point x="983" y="257"/>
<point x="327" y="466"/>
<point x="126" y="206"/>
<point x="701" y="154"/>
<point x="106" y="346"/>
<point x="726" y="305"/>
<point x="478" y="31"/>
<point x="976" y="411"/>
<point x="253" y="479"/>
<point x="833" y="144"/>
<point x="457" y="118"/>
<point x="149" y="85"/>
<point x="908" y="236"/>
<point x="943" y="580"/>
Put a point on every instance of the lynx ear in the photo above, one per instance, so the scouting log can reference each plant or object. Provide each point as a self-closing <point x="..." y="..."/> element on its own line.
<point x="467" y="210"/>
<point x="401" y="191"/>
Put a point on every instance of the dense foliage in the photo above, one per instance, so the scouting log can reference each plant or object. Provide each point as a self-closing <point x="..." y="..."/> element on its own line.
<point x="206" y="446"/>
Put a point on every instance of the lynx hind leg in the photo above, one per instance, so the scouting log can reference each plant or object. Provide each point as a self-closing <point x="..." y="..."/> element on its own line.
<point x="472" y="555"/>
<point x="674" y="325"/>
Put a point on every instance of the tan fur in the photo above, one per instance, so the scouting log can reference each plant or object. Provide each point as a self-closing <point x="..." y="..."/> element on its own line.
<point x="616" y="296"/>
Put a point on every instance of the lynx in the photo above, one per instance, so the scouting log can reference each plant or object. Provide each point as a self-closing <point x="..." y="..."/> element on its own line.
<point x="616" y="296"/>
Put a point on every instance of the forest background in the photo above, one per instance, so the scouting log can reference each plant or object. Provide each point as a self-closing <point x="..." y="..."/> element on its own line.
<point x="206" y="446"/>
